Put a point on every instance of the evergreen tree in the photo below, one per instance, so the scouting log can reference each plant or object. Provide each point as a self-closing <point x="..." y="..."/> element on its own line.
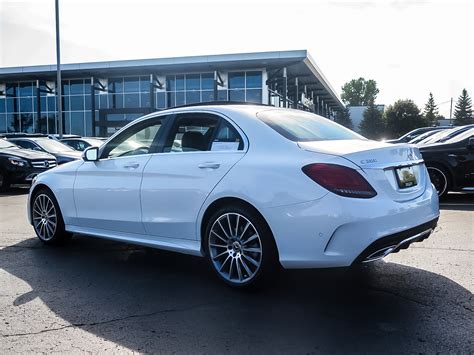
<point x="463" y="110"/>
<point x="431" y="111"/>
<point x="372" y="125"/>
<point x="344" y="118"/>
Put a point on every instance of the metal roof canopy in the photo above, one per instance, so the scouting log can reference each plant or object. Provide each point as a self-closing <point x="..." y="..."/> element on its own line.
<point x="298" y="62"/>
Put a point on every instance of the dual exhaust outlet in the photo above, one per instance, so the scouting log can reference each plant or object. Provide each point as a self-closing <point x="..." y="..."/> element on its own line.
<point x="383" y="252"/>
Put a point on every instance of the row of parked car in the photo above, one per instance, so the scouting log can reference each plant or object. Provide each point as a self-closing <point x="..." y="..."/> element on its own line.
<point x="448" y="153"/>
<point x="23" y="156"/>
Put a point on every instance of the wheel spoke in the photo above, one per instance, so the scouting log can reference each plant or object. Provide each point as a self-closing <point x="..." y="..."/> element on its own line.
<point x="245" y="229"/>
<point x="253" y="237"/>
<point x="231" y="267"/>
<point x="223" y="264"/>
<point x="217" y="245"/>
<point x="239" y="272"/>
<point x="218" y="236"/>
<point x="219" y="222"/>
<point x="255" y="263"/>
<point x="228" y="223"/>
<point x="219" y="255"/>
<point x="237" y="224"/>
<point x="249" y="273"/>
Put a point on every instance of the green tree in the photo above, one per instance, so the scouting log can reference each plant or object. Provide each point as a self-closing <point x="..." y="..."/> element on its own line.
<point x="463" y="110"/>
<point x="402" y="117"/>
<point x="359" y="92"/>
<point x="431" y="113"/>
<point x="372" y="125"/>
<point x="343" y="117"/>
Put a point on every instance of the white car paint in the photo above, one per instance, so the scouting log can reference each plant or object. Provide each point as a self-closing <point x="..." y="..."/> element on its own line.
<point x="161" y="202"/>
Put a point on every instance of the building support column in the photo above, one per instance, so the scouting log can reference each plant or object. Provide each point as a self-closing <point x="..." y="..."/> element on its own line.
<point x="93" y="105"/>
<point x="152" y="94"/>
<point x="297" y="93"/>
<point x="285" y="88"/>
<point x="38" y="107"/>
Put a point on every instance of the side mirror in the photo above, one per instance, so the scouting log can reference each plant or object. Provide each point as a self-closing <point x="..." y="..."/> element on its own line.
<point x="470" y="143"/>
<point x="91" y="154"/>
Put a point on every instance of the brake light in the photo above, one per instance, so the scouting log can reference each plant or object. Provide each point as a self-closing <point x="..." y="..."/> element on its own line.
<point x="340" y="180"/>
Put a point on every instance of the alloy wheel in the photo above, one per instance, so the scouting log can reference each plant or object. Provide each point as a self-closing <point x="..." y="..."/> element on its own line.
<point x="45" y="218"/>
<point x="235" y="248"/>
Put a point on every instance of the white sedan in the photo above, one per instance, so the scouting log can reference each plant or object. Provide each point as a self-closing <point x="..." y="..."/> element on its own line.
<point x="248" y="187"/>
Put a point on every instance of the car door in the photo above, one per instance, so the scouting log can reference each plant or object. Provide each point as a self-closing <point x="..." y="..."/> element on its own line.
<point x="199" y="149"/>
<point x="107" y="191"/>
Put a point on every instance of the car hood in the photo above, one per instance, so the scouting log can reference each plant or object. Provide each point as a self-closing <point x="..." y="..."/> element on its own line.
<point x="26" y="153"/>
<point x="72" y="155"/>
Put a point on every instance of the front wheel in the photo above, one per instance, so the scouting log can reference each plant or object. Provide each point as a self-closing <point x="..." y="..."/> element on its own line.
<point x="240" y="247"/>
<point x="47" y="219"/>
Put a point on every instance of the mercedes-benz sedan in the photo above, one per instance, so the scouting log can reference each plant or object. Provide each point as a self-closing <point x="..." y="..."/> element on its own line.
<point x="248" y="187"/>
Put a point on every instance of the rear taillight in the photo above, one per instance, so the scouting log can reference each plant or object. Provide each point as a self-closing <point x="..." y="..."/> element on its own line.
<point x="340" y="179"/>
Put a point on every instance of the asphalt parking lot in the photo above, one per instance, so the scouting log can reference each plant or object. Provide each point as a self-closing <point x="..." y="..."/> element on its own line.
<point x="95" y="295"/>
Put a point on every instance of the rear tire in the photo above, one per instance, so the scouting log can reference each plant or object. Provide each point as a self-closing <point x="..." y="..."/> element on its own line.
<point x="440" y="179"/>
<point x="47" y="218"/>
<point x="240" y="247"/>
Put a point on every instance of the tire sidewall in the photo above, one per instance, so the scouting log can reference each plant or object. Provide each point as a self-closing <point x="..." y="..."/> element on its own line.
<point x="269" y="252"/>
<point x="441" y="170"/>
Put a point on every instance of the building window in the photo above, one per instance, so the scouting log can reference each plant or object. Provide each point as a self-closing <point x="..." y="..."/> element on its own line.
<point x="245" y="86"/>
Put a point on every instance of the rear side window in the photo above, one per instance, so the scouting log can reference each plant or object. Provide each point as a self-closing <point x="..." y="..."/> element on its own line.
<point x="227" y="138"/>
<point x="304" y="126"/>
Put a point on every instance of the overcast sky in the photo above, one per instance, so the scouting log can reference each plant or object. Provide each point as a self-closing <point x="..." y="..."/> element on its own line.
<point x="409" y="47"/>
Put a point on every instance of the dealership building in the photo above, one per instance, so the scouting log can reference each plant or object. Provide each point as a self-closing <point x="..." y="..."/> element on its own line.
<point x="98" y="98"/>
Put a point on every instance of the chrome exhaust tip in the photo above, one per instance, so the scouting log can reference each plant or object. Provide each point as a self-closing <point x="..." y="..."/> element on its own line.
<point x="383" y="252"/>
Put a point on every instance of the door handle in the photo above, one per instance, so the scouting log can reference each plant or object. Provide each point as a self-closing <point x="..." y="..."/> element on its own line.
<point x="131" y="166"/>
<point x="209" y="165"/>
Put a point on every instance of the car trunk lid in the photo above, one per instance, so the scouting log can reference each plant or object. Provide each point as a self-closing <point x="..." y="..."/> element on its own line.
<point x="396" y="169"/>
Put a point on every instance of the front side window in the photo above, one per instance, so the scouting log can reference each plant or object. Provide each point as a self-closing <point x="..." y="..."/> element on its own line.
<point x="304" y="127"/>
<point x="136" y="140"/>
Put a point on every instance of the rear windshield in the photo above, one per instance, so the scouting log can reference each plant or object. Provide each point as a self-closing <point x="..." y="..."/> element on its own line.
<point x="304" y="126"/>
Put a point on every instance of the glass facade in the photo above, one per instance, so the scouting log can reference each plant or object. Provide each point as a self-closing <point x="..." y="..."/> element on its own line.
<point x="18" y="104"/>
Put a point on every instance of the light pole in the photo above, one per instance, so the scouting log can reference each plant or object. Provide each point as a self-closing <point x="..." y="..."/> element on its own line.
<point x="58" y="70"/>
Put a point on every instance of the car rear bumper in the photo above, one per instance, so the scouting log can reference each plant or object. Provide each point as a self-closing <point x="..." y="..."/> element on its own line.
<point x="336" y="231"/>
<point x="395" y="242"/>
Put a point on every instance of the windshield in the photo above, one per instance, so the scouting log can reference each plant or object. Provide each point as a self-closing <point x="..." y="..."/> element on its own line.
<point x="462" y="136"/>
<point x="6" y="144"/>
<point x="53" y="146"/>
<point x="305" y="126"/>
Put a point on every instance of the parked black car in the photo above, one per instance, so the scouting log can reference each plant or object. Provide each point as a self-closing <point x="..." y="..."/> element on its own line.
<point x="20" y="166"/>
<point x="81" y="143"/>
<point x="413" y="134"/>
<point x="62" y="152"/>
<point x="451" y="163"/>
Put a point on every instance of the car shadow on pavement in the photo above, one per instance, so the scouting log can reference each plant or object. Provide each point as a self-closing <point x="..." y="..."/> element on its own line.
<point x="461" y="201"/>
<point x="150" y="301"/>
